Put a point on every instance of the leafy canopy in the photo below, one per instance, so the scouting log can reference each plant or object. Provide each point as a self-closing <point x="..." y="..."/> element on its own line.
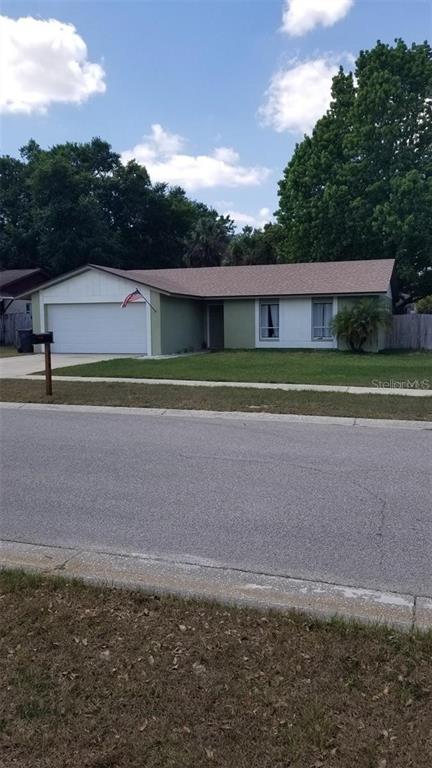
<point x="256" y="246"/>
<point x="424" y="306"/>
<point x="361" y="186"/>
<point x="77" y="203"/>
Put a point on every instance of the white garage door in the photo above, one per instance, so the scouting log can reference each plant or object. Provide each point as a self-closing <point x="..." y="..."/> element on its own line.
<point x="98" y="328"/>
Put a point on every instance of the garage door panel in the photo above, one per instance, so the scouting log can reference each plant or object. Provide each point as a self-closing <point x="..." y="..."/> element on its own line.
<point x="98" y="328"/>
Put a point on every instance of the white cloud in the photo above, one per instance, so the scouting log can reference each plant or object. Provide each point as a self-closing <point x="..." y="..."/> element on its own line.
<point x="166" y="160"/>
<point x="241" y="220"/>
<point x="165" y="143"/>
<point x="43" y="62"/>
<point x="226" y="155"/>
<point x="300" y="94"/>
<point x="300" y="16"/>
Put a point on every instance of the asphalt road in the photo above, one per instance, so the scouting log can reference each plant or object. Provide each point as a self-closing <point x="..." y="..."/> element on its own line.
<point x="342" y="504"/>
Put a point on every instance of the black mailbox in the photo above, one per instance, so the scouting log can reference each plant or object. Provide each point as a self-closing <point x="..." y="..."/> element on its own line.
<point x="43" y="338"/>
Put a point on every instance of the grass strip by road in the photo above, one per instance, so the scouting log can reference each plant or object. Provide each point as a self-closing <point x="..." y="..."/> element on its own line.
<point x="290" y="367"/>
<point x="8" y="351"/>
<point x="218" y="399"/>
<point x="97" y="677"/>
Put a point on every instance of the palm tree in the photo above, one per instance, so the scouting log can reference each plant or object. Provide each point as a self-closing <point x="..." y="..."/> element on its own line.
<point x="207" y="245"/>
<point x="361" y="321"/>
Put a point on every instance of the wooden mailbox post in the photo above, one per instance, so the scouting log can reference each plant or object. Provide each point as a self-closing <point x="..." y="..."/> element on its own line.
<point x="46" y="339"/>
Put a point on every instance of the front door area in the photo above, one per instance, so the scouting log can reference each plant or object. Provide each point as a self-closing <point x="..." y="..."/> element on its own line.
<point x="215" y="326"/>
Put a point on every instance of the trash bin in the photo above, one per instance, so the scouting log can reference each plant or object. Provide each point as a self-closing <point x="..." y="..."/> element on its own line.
<point x="24" y="340"/>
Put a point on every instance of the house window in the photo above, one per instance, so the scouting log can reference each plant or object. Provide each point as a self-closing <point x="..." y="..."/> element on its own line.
<point x="269" y="321"/>
<point x="28" y="308"/>
<point x="322" y="313"/>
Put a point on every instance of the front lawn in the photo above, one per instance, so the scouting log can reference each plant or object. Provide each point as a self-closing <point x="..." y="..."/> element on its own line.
<point x="218" y="399"/>
<point x="291" y="367"/>
<point x="104" y="678"/>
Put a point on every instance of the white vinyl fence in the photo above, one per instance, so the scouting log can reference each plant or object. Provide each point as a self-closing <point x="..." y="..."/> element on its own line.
<point x="410" y="332"/>
<point x="10" y="324"/>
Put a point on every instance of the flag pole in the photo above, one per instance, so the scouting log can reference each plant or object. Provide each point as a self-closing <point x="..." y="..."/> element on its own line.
<point x="129" y="298"/>
<point x="150" y="305"/>
<point x="146" y="300"/>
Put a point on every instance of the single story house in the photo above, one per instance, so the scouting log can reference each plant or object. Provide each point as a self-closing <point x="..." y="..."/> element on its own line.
<point x="251" y="307"/>
<point x="17" y="313"/>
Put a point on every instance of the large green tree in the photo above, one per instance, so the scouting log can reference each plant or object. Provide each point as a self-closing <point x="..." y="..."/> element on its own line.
<point x="18" y="235"/>
<point x="77" y="203"/>
<point x="360" y="187"/>
<point x="67" y="187"/>
<point x="256" y="246"/>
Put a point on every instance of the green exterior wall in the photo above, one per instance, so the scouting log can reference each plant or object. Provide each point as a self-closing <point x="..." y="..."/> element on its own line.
<point x="36" y="324"/>
<point x="182" y="326"/>
<point x="239" y="324"/>
<point x="155" y="319"/>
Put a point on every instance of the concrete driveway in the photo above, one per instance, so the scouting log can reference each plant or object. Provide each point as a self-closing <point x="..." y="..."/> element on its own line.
<point x="23" y="365"/>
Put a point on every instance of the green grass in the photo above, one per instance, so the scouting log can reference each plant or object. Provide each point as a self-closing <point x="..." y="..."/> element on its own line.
<point x="218" y="399"/>
<point x="8" y="352"/>
<point x="295" y="367"/>
<point x="110" y="678"/>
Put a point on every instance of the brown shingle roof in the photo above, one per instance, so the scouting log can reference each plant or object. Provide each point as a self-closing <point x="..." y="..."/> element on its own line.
<point x="8" y="276"/>
<point x="13" y="282"/>
<point x="330" y="277"/>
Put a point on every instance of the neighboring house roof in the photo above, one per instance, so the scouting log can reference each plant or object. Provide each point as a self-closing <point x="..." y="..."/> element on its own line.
<point x="301" y="279"/>
<point x="14" y="282"/>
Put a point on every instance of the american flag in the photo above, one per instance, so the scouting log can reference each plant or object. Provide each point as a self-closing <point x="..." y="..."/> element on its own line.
<point x="136" y="295"/>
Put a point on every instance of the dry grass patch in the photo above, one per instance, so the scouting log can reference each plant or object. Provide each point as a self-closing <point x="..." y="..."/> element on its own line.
<point x="102" y="678"/>
<point x="219" y="399"/>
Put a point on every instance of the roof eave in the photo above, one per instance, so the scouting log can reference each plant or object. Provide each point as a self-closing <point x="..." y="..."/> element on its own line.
<point x="282" y="295"/>
<point x="53" y="281"/>
<point x="11" y="283"/>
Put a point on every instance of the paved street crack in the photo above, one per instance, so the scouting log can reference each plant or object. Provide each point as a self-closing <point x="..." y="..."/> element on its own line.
<point x="62" y="566"/>
<point x="380" y="532"/>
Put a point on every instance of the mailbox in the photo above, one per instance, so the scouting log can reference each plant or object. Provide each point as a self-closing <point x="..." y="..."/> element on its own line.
<point x="46" y="339"/>
<point x="42" y="338"/>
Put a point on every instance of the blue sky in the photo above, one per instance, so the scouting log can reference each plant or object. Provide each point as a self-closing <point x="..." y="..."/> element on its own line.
<point x="211" y="95"/>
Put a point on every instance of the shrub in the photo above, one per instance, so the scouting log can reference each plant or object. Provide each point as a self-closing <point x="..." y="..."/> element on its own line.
<point x="359" y="322"/>
<point x="424" y="306"/>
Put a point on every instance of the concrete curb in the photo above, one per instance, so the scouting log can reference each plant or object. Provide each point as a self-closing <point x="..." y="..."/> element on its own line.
<point x="281" y="418"/>
<point x="242" y="385"/>
<point x="216" y="582"/>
